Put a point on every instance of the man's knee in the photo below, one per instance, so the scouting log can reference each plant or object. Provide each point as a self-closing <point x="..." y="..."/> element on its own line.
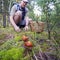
<point x="17" y="17"/>
<point x="18" y="13"/>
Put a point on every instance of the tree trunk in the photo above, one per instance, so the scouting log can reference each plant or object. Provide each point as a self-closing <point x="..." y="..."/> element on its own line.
<point x="48" y="26"/>
<point x="4" y="20"/>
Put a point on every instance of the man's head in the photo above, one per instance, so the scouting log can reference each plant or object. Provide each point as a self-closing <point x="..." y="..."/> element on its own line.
<point x="24" y="3"/>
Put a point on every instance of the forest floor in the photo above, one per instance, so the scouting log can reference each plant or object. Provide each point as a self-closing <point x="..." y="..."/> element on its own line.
<point x="46" y="45"/>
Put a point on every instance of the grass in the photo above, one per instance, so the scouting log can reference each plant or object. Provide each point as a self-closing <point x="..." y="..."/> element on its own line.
<point x="43" y="45"/>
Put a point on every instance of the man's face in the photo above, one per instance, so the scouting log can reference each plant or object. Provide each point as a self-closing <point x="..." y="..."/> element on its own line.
<point x="24" y="3"/>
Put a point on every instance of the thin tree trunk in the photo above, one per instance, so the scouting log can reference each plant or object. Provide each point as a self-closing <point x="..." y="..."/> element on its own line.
<point x="48" y="27"/>
<point x="4" y="20"/>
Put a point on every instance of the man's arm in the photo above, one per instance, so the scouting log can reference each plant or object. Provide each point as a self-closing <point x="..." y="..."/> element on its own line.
<point x="27" y="21"/>
<point x="11" y="16"/>
<point x="12" y="20"/>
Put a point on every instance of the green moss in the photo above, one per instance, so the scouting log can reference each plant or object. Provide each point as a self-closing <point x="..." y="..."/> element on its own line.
<point x="2" y="54"/>
<point x="18" y="38"/>
<point x="12" y="54"/>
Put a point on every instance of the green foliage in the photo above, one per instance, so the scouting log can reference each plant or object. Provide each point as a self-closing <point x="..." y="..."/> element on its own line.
<point x="7" y="45"/>
<point x="45" y="46"/>
<point x="12" y="54"/>
<point x="11" y="44"/>
<point x="2" y="36"/>
<point x="2" y="54"/>
<point x="26" y="57"/>
<point x="18" y="38"/>
<point x="10" y="50"/>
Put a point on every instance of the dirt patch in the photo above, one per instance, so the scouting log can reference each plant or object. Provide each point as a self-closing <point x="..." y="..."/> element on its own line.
<point x="45" y="56"/>
<point x="5" y="37"/>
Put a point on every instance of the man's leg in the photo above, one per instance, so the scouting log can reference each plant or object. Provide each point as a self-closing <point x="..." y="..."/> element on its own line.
<point x="17" y="17"/>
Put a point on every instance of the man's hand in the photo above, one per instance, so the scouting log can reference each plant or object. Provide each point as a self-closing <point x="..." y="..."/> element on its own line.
<point x="17" y="29"/>
<point x="26" y="28"/>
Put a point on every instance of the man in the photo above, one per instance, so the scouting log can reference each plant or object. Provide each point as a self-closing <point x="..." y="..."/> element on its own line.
<point x="18" y="17"/>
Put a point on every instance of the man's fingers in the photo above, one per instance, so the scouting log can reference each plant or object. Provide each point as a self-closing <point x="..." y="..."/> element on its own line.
<point x="17" y="29"/>
<point x="26" y="28"/>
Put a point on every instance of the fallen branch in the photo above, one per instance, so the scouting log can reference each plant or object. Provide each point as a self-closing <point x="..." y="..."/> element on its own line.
<point x="35" y="56"/>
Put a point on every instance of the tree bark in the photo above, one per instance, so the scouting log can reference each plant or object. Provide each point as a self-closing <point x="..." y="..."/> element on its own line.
<point x="4" y="20"/>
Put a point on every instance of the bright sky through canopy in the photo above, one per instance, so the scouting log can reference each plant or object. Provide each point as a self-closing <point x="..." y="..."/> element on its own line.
<point x="38" y="10"/>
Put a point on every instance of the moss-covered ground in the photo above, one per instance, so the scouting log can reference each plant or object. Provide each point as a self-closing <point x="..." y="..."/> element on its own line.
<point x="12" y="46"/>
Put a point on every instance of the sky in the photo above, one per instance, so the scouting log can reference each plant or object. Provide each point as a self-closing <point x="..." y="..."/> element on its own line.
<point x="38" y="10"/>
